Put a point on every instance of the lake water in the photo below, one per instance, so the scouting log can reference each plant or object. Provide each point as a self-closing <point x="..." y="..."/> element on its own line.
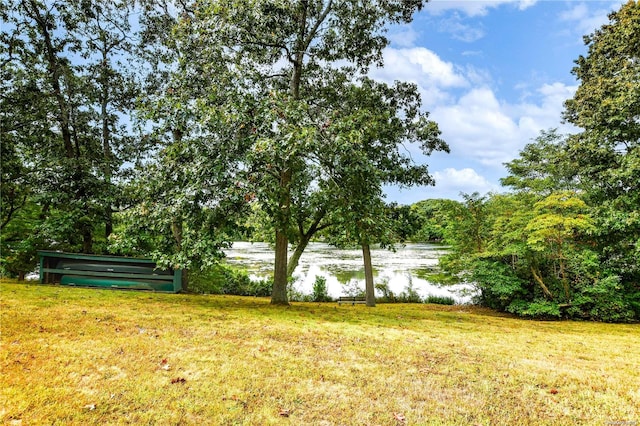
<point x="408" y="265"/>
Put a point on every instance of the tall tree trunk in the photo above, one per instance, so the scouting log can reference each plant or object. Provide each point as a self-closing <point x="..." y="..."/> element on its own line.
<point x="185" y="280"/>
<point x="176" y="230"/>
<point x="280" y="275"/>
<point x="281" y="272"/>
<point x="280" y="279"/>
<point x="293" y="261"/>
<point x="106" y="143"/>
<point x="87" y="239"/>
<point x="108" y="221"/>
<point x="368" y="276"/>
<point x="563" y="275"/>
<point x="55" y="69"/>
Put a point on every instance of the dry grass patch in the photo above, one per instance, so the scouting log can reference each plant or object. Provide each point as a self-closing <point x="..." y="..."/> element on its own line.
<point x="80" y="356"/>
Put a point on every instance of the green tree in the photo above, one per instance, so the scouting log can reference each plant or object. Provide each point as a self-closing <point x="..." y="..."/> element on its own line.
<point x="36" y="47"/>
<point x="65" y="94"/>
<point x="429" y="219"/>
<point x="552" y="231"/>
<point x="606" y="106"/>
<point x="533" y="253"/>
<point x="543" y="166"/>
<point x="283" y="80"/>
<point x="519" y="257"/>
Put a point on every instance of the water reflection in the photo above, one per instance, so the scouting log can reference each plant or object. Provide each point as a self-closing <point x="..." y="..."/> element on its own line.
<point x="409" y="265"/>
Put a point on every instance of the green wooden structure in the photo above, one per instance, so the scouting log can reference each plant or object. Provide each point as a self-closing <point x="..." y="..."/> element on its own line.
<point x="89" y="270"/>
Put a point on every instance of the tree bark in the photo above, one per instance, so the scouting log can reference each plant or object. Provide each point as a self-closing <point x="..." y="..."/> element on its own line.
<point x="106" y="141"/>
<point x="368" y="276"/>
<point x="281" y="271"/>
<point x="305" y="239"/>
<point x="54" y="72"/>
<point x="280" y="279"/>
<point x="87" y="239"/>
<point x="176" y="230"/>
<point x="293" y="261"/>
<point x="185" y="280"/>
<point x="538" y="279"/>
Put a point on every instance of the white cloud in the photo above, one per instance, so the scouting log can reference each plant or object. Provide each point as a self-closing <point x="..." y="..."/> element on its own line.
<point x="546" y="112"/>
<point x="525" y="4"/>
<point x="481" y="128"/>
<point x="459" y="30"/>
<point x="474" y="7"/>
<point x="484" y="132"/>
<point x="422" y="62"/>
<point x="450" y="183"/>
<point x="403" y="36"/>
<point x="585" y="20"/>
<point x="477" y="126"/>
<point x="454" y="23"/>
<point x="464" y="180"/>
<point x="433" y="76"/>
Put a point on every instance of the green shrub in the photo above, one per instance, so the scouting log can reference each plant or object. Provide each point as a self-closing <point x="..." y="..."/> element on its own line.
<point x="320" y="293"/>
<point x="603" y="301"/>
<point x="538" y="309"/>
<point x="209" y="281"/>
<point x="409" y="294"/>
<point x="440" y="300"/>
<point x="498" y="284"/>
<point x="387" y="294"/>
<point x="222" y="279"/>
<point x="260" y="288"/>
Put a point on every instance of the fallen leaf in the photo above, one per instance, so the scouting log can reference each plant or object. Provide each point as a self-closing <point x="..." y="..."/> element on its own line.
<point x="399" y="417"/>
<point x="90" y="407"/>
<point x="178" y="380"/>
<point x="553" y="391"/>
<point x="284" y="413"/>
<point x="166" y="367"/>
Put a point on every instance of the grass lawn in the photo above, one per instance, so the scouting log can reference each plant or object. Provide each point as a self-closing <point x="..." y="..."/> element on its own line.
<point x="80" y="356"/>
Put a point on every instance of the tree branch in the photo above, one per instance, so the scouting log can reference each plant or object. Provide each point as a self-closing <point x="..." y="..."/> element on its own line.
<point x="311" y="35"/>
<point x="538" y="279"/>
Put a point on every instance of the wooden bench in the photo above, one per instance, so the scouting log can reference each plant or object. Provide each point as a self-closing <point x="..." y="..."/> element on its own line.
<point x="351" y="299"/>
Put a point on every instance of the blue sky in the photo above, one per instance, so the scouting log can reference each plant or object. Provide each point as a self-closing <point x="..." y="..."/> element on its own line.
<point x="493" y="74"/>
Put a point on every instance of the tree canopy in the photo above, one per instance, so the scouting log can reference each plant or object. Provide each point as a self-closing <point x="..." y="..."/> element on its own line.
<point x="566" y="242"/>
<point x="65" y="87"/>
<point x="279" y="91"/>
<point x="607" y="106"/>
